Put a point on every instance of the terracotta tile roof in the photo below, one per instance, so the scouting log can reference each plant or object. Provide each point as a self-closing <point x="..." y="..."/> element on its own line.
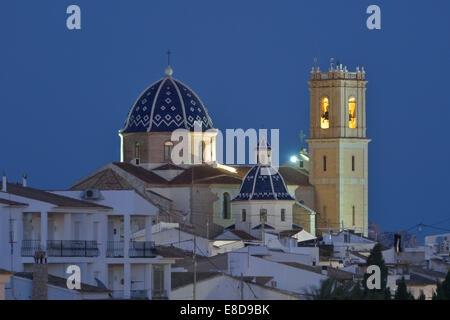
<point x="141" y="173"/>
<point x="12" y="203"/>
<point x="427" y="272"/>
<point x="206" y="174"/>
<point x="169" y="166"/>
<point x="182" y="279"/>
<point x="261" y="280"/>
<point x="44" y="196"/>
<point x="417" y="280"/>
<point x="301" y="266"/>
<point x="104" y="180"/>
<point x="3" y="271"/>
<point x="243" y="235"/>
<point x="199" y="174"/>
<point x="62" y="282"/>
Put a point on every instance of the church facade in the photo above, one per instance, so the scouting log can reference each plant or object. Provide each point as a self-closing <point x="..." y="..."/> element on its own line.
<point x="328" y="189"/>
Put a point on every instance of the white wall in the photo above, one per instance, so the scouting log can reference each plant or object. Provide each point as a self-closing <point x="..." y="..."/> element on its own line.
<point x="224" y="287"/>
<point x="288" y="278"/>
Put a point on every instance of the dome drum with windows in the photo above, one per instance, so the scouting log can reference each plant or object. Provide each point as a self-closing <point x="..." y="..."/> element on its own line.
<point x="165" y="106"/>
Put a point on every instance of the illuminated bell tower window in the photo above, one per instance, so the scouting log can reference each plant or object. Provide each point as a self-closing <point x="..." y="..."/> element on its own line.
<point x="352" y="113"/>
<point x="325" y="113"/>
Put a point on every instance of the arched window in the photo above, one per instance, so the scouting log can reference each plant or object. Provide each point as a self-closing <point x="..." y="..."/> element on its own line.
<point x="324" y="113"/>
<point x="244" y="215"/>
<point x="283" y="215"/>
<point x="263" y="215"/>
<point x="137" y="150"/>
<point x="352" y="112"/>
<point x="226" y="206"/>
<point x="168" y="146"/>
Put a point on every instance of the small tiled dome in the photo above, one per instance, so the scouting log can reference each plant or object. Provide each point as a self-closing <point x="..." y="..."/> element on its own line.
<point x="263" y="182"/>
<point x="165" y="106"/>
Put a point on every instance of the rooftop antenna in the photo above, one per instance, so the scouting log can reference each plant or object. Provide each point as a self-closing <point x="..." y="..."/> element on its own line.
<point x="168" y="57"/>
<point x="169" y="70"/>
<point x="302" y="136"/>
<point x="315" y="63"/>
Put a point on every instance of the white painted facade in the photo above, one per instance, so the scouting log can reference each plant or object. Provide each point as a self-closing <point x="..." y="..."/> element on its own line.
<point x="224" y="287"/>
<point x="23" y="290"/>
<point x="253" y="261"/>
<point x="96" y="239"/>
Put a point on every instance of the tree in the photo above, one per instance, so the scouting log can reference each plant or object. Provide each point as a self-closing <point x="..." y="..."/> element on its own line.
<point x="421" y="296"/>
<point x="332" y="289"/>
<point x="439" y="293"/>
<point x="376" y="258"/>
<point x="402" y="292"/>
<point x="446" y="286"/>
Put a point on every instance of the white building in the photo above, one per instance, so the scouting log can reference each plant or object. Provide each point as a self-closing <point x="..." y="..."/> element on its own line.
<point x="288" y="273"/>
<point x="220" y="286"/>
<point x="94" y="234"/>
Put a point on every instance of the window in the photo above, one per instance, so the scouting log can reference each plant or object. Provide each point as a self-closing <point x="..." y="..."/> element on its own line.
<point x="353" y="215"/>
<point x="203" y="152"/>
<point x="324" y="163"/>
<point x="168" y="146"/>
<point x="346" y="238"/>
<point x="158" y="280"/>
<point x="324" y="113"/>
<point x="263" y="215"/>
<point x="244" y="215"/>
<point x="226" y="206"/>
<point x="324" y="210"/>
<point x="353" y="163"/>
<point x="352" y="113"/>
<point x="301" y="163"/>
<point x="283" y="214"/>
<point x="137" y="150"/>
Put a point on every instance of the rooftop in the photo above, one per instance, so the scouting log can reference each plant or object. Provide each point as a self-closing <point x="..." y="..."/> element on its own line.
<point x="45" y="196"/>
<point x="62" y="282"/>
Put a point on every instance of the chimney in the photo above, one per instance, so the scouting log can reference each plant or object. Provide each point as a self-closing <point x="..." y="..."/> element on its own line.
<point x="40" y="276"/>
<point x="4" y="183"/>
<point x="24" y="180"/>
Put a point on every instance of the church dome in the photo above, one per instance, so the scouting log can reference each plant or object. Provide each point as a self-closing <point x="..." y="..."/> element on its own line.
<point x="165" y="106"/>
<point x="263" y="182"/>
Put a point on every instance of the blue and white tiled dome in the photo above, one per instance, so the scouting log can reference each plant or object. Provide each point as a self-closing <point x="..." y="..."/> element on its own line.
<point x="165" y="106"/>
<point x="263" y="182"/>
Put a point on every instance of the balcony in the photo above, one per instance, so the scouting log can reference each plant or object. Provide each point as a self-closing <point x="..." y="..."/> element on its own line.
<point x="137" y="249"/>
<point x="29" y="247"/>
<point x="139" y="294"/>
<point x="159" y="294"/>
<point x="142" y="249"/>
<point x="61" y="248"/>
<point x="72" y="248"/>
<point x="114" y="249"/>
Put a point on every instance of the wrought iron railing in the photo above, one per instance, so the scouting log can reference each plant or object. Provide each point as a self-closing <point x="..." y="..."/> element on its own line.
<point x="159" y="294"/>
<point x="29" y="247"/>
<point x="72" y="248"/>
<point x="114" y="249"/>
<point x="139" y="294"/>
<point x="141" y="249"/>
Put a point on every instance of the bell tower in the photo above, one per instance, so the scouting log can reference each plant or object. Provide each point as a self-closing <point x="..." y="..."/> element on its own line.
<point x="339" y="148"/>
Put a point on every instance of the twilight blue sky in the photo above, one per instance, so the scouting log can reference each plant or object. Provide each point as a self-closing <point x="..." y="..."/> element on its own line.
<point x="65" y="94"/>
